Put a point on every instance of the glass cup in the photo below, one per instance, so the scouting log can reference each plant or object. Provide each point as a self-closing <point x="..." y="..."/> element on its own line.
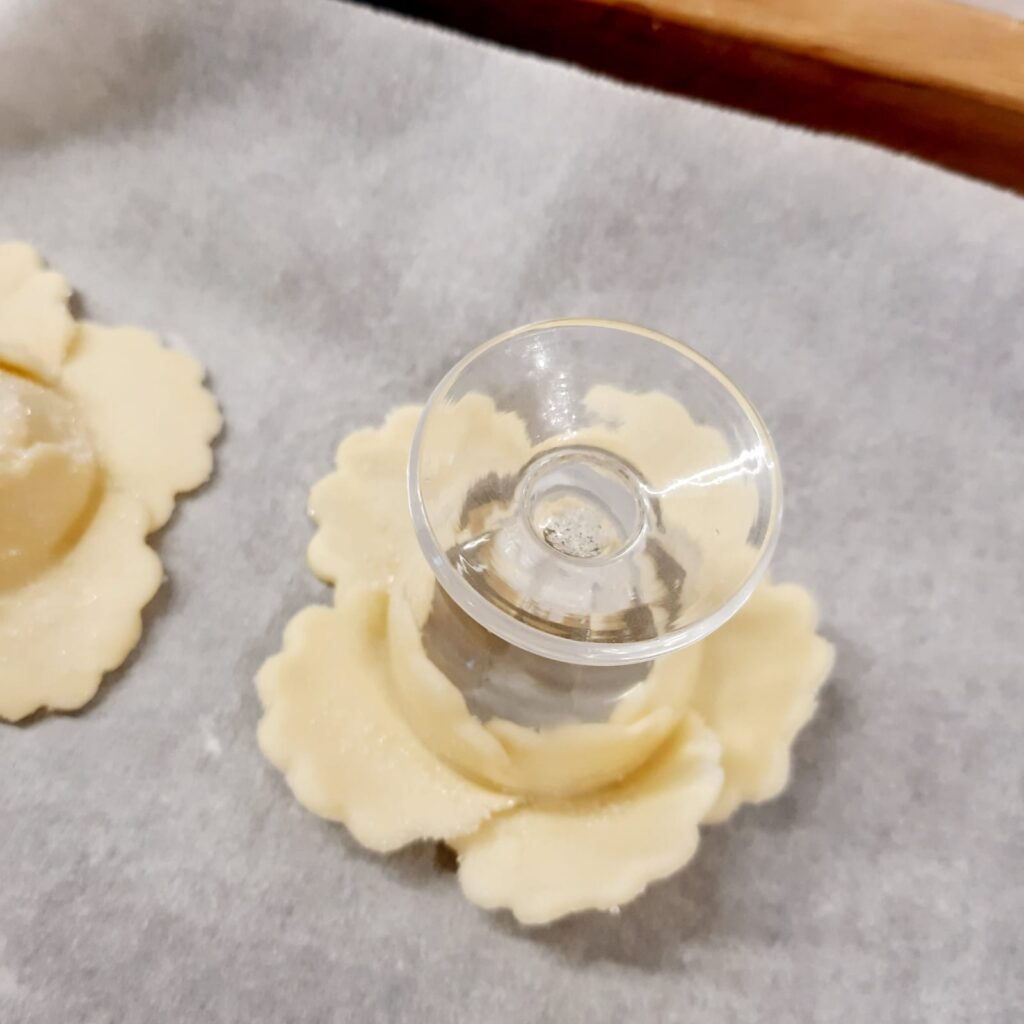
<point x="590" y="495"/>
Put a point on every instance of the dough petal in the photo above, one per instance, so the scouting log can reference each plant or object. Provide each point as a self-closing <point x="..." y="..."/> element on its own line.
<point x="330" y="726"/>
<point x="758" y="686"/>
<point x="709" y="516"/>
<point x="562" y="760"/>
<point x="549" y="859"/>
<point x="151" y="419"/>
<point x="61" y="631"/>
<point x="18" y="262"/>
<point x="35" y="325"/>
<point x="362" y="508"/>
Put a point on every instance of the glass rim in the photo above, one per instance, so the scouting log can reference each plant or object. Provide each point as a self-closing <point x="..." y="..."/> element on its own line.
<point x="567" y="649"/>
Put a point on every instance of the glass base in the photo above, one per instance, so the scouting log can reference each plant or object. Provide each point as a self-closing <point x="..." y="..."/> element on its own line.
<point x="499" y="680"/>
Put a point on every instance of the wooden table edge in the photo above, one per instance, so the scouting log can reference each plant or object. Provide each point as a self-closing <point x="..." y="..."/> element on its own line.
<point x="938" y="44"/>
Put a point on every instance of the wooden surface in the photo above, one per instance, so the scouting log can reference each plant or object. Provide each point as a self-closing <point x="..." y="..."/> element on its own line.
<point x="937" y="43"/>
<point x="938" y="80"/>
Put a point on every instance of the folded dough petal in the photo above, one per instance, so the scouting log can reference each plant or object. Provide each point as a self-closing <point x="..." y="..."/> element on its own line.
<point x="35" y="325"/>
<point x="80" y="617"/>
<point x="331" y="727"/>
<point x="758" y="686"/>
<point x="552" y="858"/>
<point x="559" y="760"/>
<point x="151" y="419"/>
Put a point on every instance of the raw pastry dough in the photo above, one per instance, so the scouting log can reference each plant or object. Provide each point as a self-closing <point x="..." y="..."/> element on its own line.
<point x="35" y="325"/>
<point x="559" y="761"/>
<point x="713" y="521"/>
<point x="597" y="852"/>
<point x="546" y="821"/>
<point x="151" y="419"/>
<point x="368" y="486"/>
<point x="99" y="429"/>
<point x="330" y="726"/>
<point x="48" y="474"/>
<point x="758" y="687"/>
<point x="79" y="617"/>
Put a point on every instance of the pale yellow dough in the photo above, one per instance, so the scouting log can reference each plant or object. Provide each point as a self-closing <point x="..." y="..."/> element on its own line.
<point x="368" y="486"/>
<point x="151" y="419"/>
<point x="35" y="325"/>
<point x="79" y="618"/>
<point x="546" y="822"/>
<point x="331" y="727"/>
<point x="758" y="687"/>
<point x="48" y="474"/>
<point x="560" y="761"/>
<point x="597" y="852"/>
<point x="99" y="429"/>
<point x="716" y="519"/>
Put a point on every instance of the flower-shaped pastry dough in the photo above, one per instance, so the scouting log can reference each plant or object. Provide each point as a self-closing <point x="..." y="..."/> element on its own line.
<point x="545" y="821"/>
<point x="99" y="429"/>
